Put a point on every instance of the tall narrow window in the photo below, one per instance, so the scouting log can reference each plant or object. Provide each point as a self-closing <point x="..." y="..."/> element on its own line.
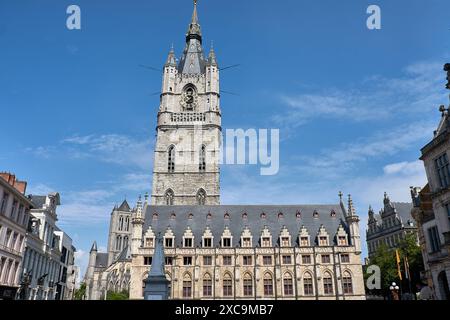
<point x="248" y="285"/>
<point x="118" y="242"/>
<point x="201" y="197"/>
<point x="308" y="284"/>
<point x="288" y="286"/>
<point x="187" y="287"/>
<point x="327" y="284"/>
<point x="227" y="285"/>
<point x="171" y="159"/>
<point x="207" y="286"/>
<point x="4" y="202"/>
<point x="347" y="283"/>
<point x="442" y="168"/>
<point x="202" y="159"/>
<point x="168" y="196"/>
<point x="268" y="285"/>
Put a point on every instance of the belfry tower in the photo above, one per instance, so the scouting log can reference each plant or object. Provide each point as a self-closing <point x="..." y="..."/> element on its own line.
<point x="186" y="162"/>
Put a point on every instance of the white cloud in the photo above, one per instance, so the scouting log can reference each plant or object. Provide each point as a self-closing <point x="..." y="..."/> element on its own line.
<point x="113" y="148"/>
<point x="39" y="189"/>
<point x="404" y="167"/>
<point x="335" y="162"/>
<point x="376" y="98"/>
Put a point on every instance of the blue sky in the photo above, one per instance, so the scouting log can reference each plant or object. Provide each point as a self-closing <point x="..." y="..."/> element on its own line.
<point x="353" y="106"/>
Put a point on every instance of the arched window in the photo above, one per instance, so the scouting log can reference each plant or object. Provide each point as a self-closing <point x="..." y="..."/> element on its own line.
<point x="268" y="284"/>
<point x="207" y="285"/>
<point x="248" y="285"/>
<point x="118" y="242"/>
<point x="227" y="285"/>
<point x="168" y="196"/>
<point x="288" y="285"/>
<point x="171" y="159"/>
<point x="125" y="242"/>
<point x="127" y="224"/>
<point x="308" y="289"/>
<point x="120" y="223"/>
<point x="201" y="197"/>
<point x="327" y="283"/>
<point x="187" y="286"/>
<point x="202" y="159"/>
<point x="347" y="284"/>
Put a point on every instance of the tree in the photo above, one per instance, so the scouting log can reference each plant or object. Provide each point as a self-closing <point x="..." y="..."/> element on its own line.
<point x="80" y="293"/>
<point x="111" y="295"/>
<point x="385" y="258"/>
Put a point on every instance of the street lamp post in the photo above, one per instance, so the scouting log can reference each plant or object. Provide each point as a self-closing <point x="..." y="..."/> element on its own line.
<point x="394" y="291"/>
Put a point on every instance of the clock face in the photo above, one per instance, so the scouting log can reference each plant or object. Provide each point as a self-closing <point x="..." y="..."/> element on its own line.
<point x="188" y="99"/>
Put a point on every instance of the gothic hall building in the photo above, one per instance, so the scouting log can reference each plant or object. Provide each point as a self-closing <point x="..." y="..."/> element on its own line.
<point x="215" y="251"/>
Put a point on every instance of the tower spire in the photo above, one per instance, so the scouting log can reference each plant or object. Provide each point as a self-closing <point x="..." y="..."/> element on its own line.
<point x="193" y="60"/>
<point x="171" y="60"/>
<point x="194" y="30"/>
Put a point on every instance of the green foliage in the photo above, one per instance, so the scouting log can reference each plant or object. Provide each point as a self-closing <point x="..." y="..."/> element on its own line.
<point x="117" y="295"/>
<point x="80" y="292"/>
<point x="385" y="258"/>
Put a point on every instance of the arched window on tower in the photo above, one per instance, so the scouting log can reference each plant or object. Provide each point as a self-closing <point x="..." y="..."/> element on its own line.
<point x="127" y="224"/>
<point x="169" y="197"/>
<point x="202" y="159"/>
<point x="201" y="197"/>
<point x="118" y="242"/>
<point x="125" y="242"/>
<point x="171" y="159"/>
<point x="120" y="223"/>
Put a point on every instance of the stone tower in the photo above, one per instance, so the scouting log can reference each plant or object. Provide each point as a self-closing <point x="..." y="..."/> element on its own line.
<point x="187" y="151"/>
<point x="120" y="230"/>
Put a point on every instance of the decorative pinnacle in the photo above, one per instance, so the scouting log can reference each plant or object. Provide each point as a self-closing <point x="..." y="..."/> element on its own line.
<point x="351" y="209"/>
<point x="340" y="194"/>
<point x="447" y="69"/>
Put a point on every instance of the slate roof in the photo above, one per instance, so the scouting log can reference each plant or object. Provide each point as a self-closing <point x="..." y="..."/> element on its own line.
<point x="404" y="212"/>
<point x="124" y="206"/>
<point x="38" y="201"/>
<point x="236" y="223"/>
<point x="125" y="255"/>
<point x="102" y="260"/>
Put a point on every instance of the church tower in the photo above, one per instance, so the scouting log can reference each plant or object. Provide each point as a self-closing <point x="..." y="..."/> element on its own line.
<point x="187" y="151"/>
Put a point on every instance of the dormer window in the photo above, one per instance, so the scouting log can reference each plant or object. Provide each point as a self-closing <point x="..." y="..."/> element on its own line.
<point x="246" y="242"/>
<point x="342" y="240"/>
<point x="323" y="240"/>
<point x="266" y="242"/>
<point x="304" y="241"/>
<point x="149" y="242"/>
<point x="315" y="214"/>
<point x="285" y="242"/>
<point x="168" y="243"/>
<point x="226" y="242"/>
<point x="207" y="243"/>
<point x="188" y="243"/>
<point x="298" y="215"/>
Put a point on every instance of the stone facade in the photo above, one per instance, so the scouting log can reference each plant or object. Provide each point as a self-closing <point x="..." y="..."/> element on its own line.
<point x="120" y="230"/>
<point x="14" y="216"/>
<point x="252" y="252"/>
<point x="390" y="226"/>
<point x="42" y="259"/>
<point x="436" y="227"/>
<point x="186" y="166"/>
<point x="223" y="252"/>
